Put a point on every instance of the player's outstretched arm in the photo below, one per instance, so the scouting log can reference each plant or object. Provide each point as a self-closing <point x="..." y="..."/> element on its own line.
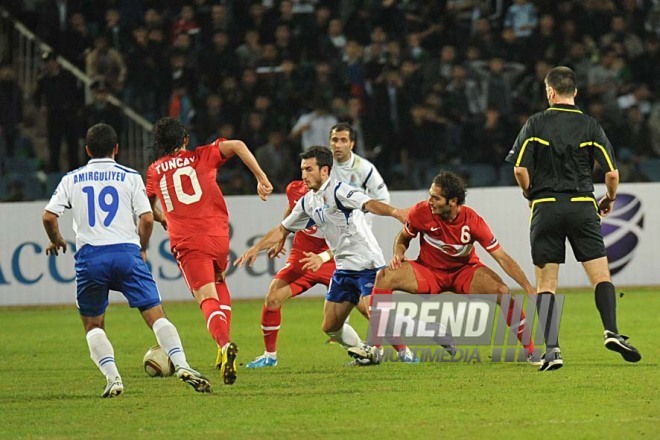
<point x="52" y="227"/>
<point x="273" y="236"/>
<point x="380" y="208"/>
<point x="238" y="148"/>
<point x="512" y="269"/>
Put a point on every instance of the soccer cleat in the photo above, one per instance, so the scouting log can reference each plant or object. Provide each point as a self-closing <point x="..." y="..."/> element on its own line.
<point x="228" y="363"/>
<point x="406" y="355"/>
<point x="552" y="360"/>
<point x="193" y="378"/>
<point x="359" y="363"/>
<point x="451" y="349"/>
<point x="368" y="352"/>
<point x="263" y="361"/>
<point x="114" y="388"/>
<point x="616" y="342"/>
<point x="534" y="359"/>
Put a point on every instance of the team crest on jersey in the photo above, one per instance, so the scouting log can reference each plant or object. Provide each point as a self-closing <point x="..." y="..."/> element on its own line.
<point x="311" y="230"/>
<point x="453" y="250"/>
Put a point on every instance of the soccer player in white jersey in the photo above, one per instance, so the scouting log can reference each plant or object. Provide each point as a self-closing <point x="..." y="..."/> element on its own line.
<point x="338" y="211"/>
<point x="105" y="199"/>
<point x="355" y="170"/>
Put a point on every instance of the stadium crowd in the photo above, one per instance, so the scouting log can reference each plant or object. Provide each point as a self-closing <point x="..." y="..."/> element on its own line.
<point x="425" y="84"/>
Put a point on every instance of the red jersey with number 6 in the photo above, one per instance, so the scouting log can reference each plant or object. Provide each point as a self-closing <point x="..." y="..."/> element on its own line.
<point x="186" y="186"/>
<point x="304" y="240"/>
<point x="445" y="245"/>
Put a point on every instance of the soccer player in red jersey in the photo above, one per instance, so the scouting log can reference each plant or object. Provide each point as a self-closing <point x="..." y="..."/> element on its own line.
<point x="447" y="259"/>
<point x="198" y="222"/>
<point x="293" y="279"/>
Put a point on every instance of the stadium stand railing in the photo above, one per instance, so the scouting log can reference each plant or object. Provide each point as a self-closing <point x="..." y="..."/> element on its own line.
<point x="22" y="49"/>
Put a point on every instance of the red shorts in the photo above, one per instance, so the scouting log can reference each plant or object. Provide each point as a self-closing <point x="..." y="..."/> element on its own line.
<point x="300" y="280"/>
<point x="432" y="281"/>
<point x="201" y="260"/>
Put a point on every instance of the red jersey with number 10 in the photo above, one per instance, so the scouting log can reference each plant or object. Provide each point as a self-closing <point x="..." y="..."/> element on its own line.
<point x="445" y="245"/>
<point x="304" y="240"/>
<point x="188" y="192"/>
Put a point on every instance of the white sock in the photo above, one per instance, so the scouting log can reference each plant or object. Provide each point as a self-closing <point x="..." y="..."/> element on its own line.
<point x="168" y="338"/>
<point x="270" y="354"/>
<point x="346" y="336"/>
<point x="102" y="353"/>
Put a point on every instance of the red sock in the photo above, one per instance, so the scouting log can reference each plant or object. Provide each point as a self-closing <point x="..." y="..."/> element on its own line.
<point x="270" y="327"/>
<point x="216" y="321"/>
<point x="521" y="326"/>
<point x="225" y="304"/>
<point x="379" y="291"/>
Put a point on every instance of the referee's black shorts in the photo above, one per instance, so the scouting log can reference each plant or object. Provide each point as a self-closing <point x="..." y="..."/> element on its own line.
<point x="556" y="218"/>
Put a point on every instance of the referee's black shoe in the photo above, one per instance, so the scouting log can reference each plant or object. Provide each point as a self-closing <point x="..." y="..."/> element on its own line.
<point x="616" y="342"/>
<point x="552" y="360"/>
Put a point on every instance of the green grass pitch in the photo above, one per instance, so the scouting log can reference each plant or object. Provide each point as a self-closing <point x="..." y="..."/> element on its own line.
<point x="49" y="387"/>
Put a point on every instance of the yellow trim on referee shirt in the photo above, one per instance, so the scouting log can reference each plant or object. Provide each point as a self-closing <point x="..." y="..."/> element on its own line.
<point x="596" y="144"/>
<point x="522" y="150"/>
<point x="565" y="109"/>
<point x="586" y="199"/>
<point x="547" y="199"/>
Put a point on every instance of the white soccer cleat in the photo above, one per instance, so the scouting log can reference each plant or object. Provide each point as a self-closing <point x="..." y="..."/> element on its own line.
<point x="193" y="378"/>
<point x="114" y="388"/>
<point x="366" y="352"/>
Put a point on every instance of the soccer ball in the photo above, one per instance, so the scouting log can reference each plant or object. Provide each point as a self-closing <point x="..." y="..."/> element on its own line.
<point x="157" y="363"/>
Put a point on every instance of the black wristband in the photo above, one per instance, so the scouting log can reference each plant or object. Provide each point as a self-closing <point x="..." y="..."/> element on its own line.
<point x="608" y="198"/>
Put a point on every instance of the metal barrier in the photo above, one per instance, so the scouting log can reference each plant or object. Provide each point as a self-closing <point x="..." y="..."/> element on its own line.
<point x="22" y="49"/>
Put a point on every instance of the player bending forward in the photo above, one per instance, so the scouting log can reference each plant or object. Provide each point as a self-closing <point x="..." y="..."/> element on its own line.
<point x="338" y="211"/>
<point x="447" y="259"/>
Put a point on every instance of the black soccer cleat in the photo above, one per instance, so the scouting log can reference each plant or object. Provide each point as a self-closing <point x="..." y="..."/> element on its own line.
<point x="616" y="342"/>
<point x="552" y="360"/>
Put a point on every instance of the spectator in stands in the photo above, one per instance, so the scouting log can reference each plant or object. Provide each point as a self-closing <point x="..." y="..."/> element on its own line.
<point x="76" y="40"/>
<point x="313" y="127"/>
<point x="107" y="63"/>
<point x="217" y="62"/>
<point x="59" y="97"/>
<point x="100" y="110"/>
<point x="277" y="157"/>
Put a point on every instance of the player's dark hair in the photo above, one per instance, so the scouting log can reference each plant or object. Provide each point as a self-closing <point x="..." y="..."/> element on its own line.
<point x="344" y="126"/>
<point x="452" y="186"/>
<point x="101" y="140"/>
<point x="169" y="134"/>
<point x="323" y="156"/>
<point x="562" y="79"/>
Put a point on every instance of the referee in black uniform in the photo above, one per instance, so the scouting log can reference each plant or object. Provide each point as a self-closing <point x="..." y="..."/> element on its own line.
<point x="553" y="156"/>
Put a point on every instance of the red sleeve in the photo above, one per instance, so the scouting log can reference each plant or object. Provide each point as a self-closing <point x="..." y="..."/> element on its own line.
<point x="151" y="182"/>
<point x="211" y="153"/>
<point x="482" y="234"/>
<point x="414" y="223"/>
<point x="295" y="191"/>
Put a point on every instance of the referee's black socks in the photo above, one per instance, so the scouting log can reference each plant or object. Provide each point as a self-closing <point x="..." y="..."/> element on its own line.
<point x="549" y="315"/>
<point x="606" y="303"/>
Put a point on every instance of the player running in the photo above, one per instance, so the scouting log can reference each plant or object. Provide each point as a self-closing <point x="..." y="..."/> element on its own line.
<point x="198" y="222"/>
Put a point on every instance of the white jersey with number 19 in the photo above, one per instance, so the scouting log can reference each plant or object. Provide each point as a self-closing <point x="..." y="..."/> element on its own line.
<point x="106" y="199"/>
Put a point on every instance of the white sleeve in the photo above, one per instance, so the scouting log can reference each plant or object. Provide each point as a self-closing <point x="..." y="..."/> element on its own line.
<point x="141" y="203"/>
<point x="60" y="199"/>
<point x="349" y="198"/>
<point x="298" y="219"/>
<point x="376" y="187"/>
